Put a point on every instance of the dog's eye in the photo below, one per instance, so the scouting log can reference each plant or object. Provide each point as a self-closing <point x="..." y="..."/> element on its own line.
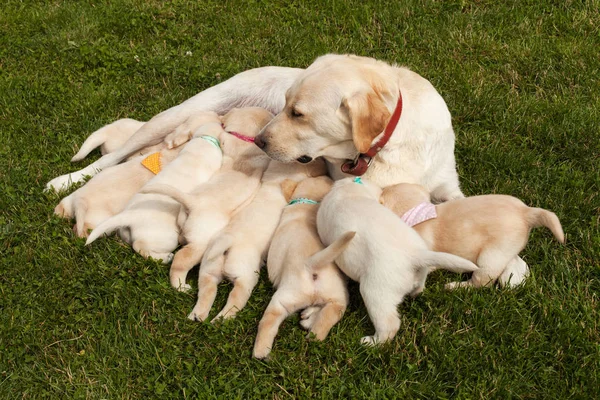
<point x="296" y="114"/>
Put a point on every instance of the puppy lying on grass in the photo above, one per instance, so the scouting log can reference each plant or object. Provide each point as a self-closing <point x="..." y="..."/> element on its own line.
<point x="488" y="230"/>
<point x="387" y="257"/>
<point x="301" y="269"/>
<point x="211" y="206"/>
<point x="108" y="192"/>
<point x="149" y="222"/>
<point x="237" y="253"/>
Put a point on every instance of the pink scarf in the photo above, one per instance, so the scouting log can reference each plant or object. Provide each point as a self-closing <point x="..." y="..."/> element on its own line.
<point x="420" y="213"/>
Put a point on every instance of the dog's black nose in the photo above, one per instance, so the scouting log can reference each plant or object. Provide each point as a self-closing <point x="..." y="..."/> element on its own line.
<point x="304" y="159"/>
<point x="259" y="141"/>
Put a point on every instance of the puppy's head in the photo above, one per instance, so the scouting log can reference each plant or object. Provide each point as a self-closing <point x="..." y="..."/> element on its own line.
<point x="402" y="197"/>
<point x="248" y="120"/>
<point x="335" y="109"/>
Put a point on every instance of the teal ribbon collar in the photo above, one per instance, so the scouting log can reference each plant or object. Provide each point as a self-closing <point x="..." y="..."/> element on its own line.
<point x="212" y="140"/>
<point x="302" y="200"/>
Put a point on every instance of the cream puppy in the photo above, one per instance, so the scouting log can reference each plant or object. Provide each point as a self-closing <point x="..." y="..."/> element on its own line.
<point x="488" y="230"/>
<point x="237" y="253"/>
<point x="211" y="206"/>
<point x="302" y="271"/>
<point x="387" y="257"/>
<point x="149" y="222"/>
<point x="107" y="193"/>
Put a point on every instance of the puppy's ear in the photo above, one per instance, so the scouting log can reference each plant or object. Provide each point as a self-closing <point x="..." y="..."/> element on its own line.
<point x="287" y="188"/>
<point x="368" y="116"/>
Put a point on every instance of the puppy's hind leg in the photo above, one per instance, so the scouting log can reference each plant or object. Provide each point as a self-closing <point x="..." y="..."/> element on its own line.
<point x="326" y="318"/>
<point x="207" y="292"/>
<point x="491" y="263"/>
<point x="515" y="273"/>
<point x="277" y="311"/>
<point x="243" y="283"/>
<point x="381" y="304"/>
<point x="183" y="262"/>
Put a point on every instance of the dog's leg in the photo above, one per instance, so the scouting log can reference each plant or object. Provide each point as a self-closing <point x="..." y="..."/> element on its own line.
<point x="515" y="273"/>
<point x="381" y="304"/>
<point x="239" y="296"/>
<point x="183" y="262"/>
<point x="491" y="263"/>
<point x="207" y="292"/>
<point x="326" y="318"/>
<point x="264" y="87"/>
<point x="277" y="311"/>
<point x="420" y="278"/>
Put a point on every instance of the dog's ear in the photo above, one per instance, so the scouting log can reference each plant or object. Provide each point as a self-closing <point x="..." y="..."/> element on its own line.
<point x="368" y="117"/>
<point x="287" y="188"/>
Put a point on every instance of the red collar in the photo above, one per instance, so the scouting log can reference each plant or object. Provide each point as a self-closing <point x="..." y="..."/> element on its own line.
<point x="245" y="138"/>
<point x="360" y="165"/>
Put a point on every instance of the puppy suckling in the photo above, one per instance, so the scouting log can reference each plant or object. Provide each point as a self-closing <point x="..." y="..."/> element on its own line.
<point x="488" y="230"/>
<point x="211" y="206"/>
<point x="388" y="258"/>
<point x="149" y="221"/>
<point x="301" y="269"/>
<point x="107" y="193"/>
<point x="237" y="253"/>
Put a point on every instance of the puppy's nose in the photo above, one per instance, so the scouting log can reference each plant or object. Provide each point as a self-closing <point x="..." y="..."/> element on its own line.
<point x="260" y="142"/>
<point x="304" y="159"/>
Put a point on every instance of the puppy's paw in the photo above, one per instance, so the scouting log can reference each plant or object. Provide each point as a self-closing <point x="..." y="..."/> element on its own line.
<point x="196" y="316"/>
<point x="452" y="285"/>
<point x="368" y="341"/>
<point x="176" y="139"/>
<point x="167" y="260"/>
<point x="59" y="184"/>
<point x="262" y="354"/>
<point x="184" y="287"/>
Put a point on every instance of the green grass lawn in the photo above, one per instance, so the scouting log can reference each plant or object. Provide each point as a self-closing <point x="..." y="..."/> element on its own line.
<point x="521" y="79"/>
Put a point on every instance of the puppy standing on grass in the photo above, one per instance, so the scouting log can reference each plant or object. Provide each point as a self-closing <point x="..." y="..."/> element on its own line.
<point x="149" y="222"/>
<point x="211" y="206"/>
<point x="238" y="252"/>
<point x="301" y="269"/>
<point x="488" y="230"/>
<point x="388" y="258"/>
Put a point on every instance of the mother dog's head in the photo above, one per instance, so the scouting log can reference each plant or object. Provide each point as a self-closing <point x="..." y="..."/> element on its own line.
<point x="335" y="109"/>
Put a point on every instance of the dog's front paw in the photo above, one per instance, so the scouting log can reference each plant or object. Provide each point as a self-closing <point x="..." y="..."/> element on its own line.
<point x="452" y="285"/>
<point x="59" y="184"/>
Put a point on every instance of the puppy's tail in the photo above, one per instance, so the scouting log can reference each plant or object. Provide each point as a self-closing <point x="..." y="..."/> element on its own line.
<point x="330" y="253"/>
<point x="449" y="262"/>
<point x="81" y="208"/>
<point x="109" y="226"/>
<point x="539" y="217"/>
<point x="168" y="190"/>
<point x="94" y="140"/>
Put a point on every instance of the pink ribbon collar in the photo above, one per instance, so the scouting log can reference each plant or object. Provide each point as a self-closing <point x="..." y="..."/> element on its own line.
<point x="420" y="213"/>
<point x="240" y="136"/>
